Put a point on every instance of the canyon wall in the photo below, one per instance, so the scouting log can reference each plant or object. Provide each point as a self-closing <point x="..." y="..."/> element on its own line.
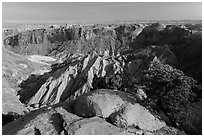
<point x="185" y="42"/>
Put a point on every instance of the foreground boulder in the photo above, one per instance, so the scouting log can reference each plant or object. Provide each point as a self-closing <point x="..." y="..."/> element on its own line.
<point x="122" y="109"/>
<point x="60" y="120"/>
<point x="99" y="103"/>
<point x="137" y="116"/>
<point x="95" y="126"/>
<point x="44" y="121"/>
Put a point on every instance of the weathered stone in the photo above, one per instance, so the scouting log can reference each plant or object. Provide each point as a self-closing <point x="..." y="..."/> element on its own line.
<point x="95" y="126"/>
<point x="98" y="103"/>
<point x="122" y="110"/>
<point x="136" y="116"/>
<point x="44" y="121"/>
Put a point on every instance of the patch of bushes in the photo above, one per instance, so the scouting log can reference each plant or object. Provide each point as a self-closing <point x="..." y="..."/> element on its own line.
<point x="174" y="93"/>
<point x="116" y="81"/>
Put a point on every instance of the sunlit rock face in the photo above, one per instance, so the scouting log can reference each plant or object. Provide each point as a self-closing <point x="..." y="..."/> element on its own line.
<point x="75" y="39"/>
<point x="121" y="107"/>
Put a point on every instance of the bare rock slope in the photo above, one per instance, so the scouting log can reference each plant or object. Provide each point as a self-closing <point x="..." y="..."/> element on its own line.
<point x="60" y="119"/>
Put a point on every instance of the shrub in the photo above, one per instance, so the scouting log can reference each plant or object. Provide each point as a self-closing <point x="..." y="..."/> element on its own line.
<point x="173" y="92"/>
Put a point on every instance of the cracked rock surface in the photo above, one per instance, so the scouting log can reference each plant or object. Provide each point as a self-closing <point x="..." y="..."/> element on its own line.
<point x="122" y="109"/>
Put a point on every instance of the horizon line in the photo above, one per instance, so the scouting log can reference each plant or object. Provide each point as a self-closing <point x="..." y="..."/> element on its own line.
<point x="52" y="21"/>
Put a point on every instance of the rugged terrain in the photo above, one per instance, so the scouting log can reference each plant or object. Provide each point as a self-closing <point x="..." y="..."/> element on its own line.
<point x="103" y="79"/>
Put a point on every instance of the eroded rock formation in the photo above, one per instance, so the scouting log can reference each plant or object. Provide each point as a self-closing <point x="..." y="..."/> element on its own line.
<point x="135" y="65"/>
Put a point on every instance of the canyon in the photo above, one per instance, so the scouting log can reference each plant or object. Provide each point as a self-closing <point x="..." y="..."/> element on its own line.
<point x="131" y="78"/>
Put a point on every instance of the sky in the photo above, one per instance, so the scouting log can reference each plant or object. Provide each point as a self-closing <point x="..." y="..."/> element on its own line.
<point x="99" y="11"/>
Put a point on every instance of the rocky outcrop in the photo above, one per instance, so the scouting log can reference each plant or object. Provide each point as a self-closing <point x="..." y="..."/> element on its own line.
<point x="121" y="108"/>
<point x="75" y="39"/>
<point x="185" y="45"/>
<point x="59" y="119"/>
<point x="43" y="121"/>
<point x="50" y="41"/>
<point x="137" y="116"/>
<point x="67" y="80"/>
<point x="95" y="126"/>
<point x="101" y="103"/>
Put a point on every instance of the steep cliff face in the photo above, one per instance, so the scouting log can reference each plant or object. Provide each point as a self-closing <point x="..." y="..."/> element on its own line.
<point x="73" y="39"/>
